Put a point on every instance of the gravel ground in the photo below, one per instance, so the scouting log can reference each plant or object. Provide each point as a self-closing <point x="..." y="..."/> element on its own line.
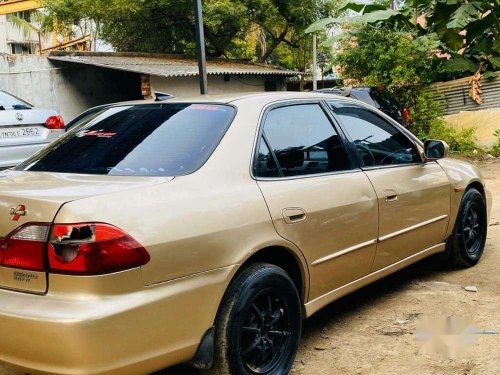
<point x="373" y="331"/>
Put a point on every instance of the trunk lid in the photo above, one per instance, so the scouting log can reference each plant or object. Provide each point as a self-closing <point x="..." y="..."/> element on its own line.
<point x="28" y="197"/>
<point x="26" y="126"/>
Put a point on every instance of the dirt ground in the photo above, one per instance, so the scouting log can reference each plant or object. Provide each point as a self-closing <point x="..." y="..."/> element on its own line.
<point x="373" y="331"/>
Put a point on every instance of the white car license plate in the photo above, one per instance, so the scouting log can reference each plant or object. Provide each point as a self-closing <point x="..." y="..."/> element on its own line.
<point x="20" y="132"/>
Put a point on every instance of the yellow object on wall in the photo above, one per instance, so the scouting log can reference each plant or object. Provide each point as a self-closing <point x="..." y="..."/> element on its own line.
<point x="12" y="6"/>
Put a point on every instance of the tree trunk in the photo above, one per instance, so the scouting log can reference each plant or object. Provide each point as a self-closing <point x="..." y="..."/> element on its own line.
<point x="277" y="42"/>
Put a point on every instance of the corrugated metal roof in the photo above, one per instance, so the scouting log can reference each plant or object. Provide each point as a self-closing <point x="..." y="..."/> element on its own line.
<point x="454" y="95"/>
<point x="167" y="65"/>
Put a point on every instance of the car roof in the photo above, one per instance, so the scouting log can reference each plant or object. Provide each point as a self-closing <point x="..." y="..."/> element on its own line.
<point x="340" y="89"/>
<point x="238" y="98"/>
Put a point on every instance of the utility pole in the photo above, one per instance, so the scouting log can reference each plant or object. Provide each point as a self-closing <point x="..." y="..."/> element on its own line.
<point x="315" y="63"/>
<point x="200" y="47"/>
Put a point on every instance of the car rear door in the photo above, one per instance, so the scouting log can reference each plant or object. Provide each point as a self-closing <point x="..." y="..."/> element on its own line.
<point x="317" y="197"/>
<point x="413" y="196"/>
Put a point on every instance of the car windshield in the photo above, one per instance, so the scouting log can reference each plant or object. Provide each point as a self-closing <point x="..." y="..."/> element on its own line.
<point x="142" y="140"/>
<point x="8" y="101"/>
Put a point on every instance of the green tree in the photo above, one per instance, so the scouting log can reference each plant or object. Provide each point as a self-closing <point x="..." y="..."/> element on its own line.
<point x="467" y="30"/>
<point x="263" y="30"/>
<point x="400" y="61"/>
<point x="152" y="25"/>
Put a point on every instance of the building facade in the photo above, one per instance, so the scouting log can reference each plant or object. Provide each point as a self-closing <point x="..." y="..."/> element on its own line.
<point x="21" y="34"/>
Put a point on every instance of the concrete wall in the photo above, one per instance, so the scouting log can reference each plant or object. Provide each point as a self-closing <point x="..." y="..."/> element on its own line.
<point x="71" y="88"/>
<point x="68" y="89"/>
<point x="189" y="86"/>
<point x="485" y="122"/>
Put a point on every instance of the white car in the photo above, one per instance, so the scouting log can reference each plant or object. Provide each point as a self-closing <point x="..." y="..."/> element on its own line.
<point x="24" y="129"/>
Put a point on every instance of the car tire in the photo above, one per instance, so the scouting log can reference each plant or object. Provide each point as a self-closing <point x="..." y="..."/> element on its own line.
<point x="466" y="245"/>
<point x="258" y="326"/>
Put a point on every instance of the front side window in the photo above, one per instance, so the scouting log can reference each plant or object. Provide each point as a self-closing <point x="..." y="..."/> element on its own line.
<point x="304" y="141"/>
<point x="378" y="142"/>
<point x="172" y="139"/>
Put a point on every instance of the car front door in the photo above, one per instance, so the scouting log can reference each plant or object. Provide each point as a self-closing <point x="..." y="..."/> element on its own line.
<point x="317" y="197"/>
<point x="413" y="195"/>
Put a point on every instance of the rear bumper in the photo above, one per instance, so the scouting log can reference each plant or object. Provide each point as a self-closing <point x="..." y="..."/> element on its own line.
<point x="133" y="333"/>
<point x="13" y="155"/>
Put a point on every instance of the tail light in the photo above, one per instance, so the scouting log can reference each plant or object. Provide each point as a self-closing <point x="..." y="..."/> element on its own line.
<point x="93" y="249"/>
<point x="406" y="114"/>
<point x="25" y="248"/>
<point x="54" y="123"/>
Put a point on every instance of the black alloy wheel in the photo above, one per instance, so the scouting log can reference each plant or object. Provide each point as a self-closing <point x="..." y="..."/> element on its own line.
<point x="467" y="243"/>
<point x="258" y="326"/>
<point x="265" y="332"/>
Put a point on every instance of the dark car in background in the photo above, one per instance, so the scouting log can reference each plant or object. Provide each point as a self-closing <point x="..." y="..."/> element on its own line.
<point x="377" y="97"/>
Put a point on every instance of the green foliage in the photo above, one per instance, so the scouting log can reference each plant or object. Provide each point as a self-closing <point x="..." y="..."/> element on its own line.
<point x="425" y="110"/>
<point x="27" y="27"/>
<point x="460" y="140"/>
<point x="400" y="61"/>
<point x="447" y="19"/>
<point x="496" y="147"/>
<point x="264" y="30"/>
<point x="382" y="56"/>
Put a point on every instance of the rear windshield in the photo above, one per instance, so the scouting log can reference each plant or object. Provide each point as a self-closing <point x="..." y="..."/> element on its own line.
<point x="8" y="101"/>
<point x="384" y="99"/>
<point x="142" y="140"/>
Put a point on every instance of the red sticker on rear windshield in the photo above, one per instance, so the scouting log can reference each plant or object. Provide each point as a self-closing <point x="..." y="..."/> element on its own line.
<point x="95" y="133"/>
<point x="205" y="107"/>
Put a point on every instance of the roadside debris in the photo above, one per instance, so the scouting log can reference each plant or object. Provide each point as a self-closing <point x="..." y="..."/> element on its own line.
<point x="392" y="331"/>
<point x="438" y="285"/>
<point x="471" y="288"/>
<point x="402" y="321"/>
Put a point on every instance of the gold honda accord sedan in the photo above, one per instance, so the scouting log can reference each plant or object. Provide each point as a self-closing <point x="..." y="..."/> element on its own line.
<point x="204" y="231"/>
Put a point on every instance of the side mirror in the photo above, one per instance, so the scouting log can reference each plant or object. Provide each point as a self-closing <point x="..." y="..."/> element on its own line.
<point x="435" y="149"/>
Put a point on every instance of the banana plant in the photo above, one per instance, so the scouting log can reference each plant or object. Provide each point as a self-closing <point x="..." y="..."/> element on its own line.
<point x="28" y="27"/>
<point x="468" y="31"/>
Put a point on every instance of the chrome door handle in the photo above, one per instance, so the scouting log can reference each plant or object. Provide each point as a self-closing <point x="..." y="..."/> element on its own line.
<point x="391" y="198"/>
<point x="294" y="215"/>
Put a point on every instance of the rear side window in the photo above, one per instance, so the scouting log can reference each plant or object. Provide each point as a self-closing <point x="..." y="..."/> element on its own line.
<point x="265" y="165"/>
<point x="304" y="141"/>
<point x="145" y="140"/>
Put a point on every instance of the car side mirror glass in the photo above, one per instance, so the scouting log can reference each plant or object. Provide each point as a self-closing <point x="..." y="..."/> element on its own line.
<point x="435" y="149"/>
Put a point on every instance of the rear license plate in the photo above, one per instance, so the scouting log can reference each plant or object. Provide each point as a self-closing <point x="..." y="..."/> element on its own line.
<point x="20" y="133"/>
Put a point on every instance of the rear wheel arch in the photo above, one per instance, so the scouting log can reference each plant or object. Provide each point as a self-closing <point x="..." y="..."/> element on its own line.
<point x="287" y="260"/>
<point x="283" y="257"/>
